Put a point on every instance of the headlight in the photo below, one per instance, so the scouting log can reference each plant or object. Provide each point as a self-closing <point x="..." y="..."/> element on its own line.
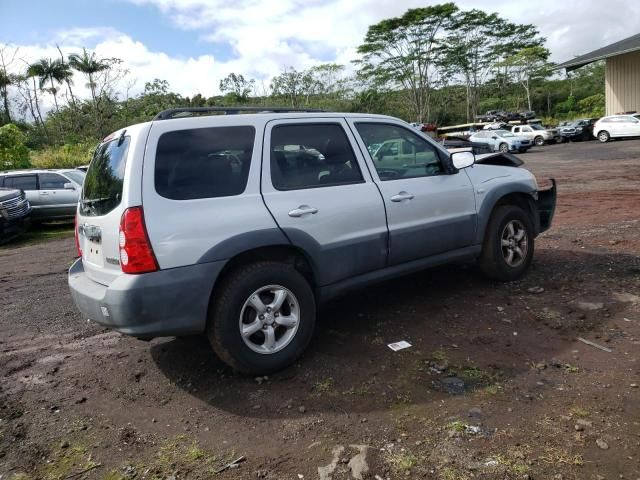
<point x="579" y="129"/>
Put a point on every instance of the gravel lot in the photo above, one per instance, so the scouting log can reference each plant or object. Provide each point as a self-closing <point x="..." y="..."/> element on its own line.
<point x="496" y="385"/>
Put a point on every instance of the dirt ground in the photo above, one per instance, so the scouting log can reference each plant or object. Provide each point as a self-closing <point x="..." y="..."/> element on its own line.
<point x="496" y="385"/>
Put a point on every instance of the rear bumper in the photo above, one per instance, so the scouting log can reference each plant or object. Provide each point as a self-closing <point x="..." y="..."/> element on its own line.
<point x="163" y="303"/>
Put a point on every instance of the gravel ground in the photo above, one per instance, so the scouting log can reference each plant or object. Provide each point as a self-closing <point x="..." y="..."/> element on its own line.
<point x="496" y="384"/>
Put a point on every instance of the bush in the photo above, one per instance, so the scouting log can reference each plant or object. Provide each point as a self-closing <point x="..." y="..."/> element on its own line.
<point x="14" y="153"/>
<point x="65" y="156"/>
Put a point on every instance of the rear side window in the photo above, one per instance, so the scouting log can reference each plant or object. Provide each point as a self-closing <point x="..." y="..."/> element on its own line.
<point x="22" y="182"/>
<point x="312" y="155"/>
<point x="102" y="189"/>
<point x="52" y="181"/>
<point x="204" y="162"/>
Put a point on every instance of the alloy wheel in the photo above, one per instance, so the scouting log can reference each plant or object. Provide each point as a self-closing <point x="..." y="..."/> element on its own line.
<point x="269" y="319"/>
<point x="514" y="243"/>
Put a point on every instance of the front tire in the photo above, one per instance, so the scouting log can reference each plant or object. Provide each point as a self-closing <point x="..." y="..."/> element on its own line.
<point x="604" y="136"/>
<point x="508" y="245"/>
<point x="538" y="141"/>
<point x="262" y="318"/>
<point x="504" y="148"/>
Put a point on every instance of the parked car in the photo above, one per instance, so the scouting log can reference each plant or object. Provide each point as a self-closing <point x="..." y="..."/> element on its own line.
<point x="211" y="224"/>
<point x="579" y="130"/>
<point x="497" y="126"/>
<point x="617" y="126"/>
<point x="15" y="213"/>
<point x="489" y="116"/>
<point x="53" y="194"/>
<point x="536" y="133"/>
<point x="502" y="141"/>
<point x="459" y="143"/>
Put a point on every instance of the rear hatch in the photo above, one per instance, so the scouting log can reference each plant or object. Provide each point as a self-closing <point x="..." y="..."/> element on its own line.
<point x="100" y="209"/>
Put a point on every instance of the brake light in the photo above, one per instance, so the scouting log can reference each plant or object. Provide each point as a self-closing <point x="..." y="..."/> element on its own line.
<point x="75" y="228"/>
<point x="136" y="254"/>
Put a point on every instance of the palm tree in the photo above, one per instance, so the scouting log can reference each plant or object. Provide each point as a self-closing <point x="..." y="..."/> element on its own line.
<point x="67" y="76"/>
<point x="5" y="81"/>
<point x="48" y="70"/>
<point x="89" y="64"/>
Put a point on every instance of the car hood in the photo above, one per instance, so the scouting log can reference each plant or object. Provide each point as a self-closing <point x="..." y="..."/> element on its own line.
<point x="7" y="193"/>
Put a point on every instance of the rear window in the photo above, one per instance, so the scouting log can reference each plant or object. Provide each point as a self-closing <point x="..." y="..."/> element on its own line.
<point x="204" y="162"/>
<point x="76" y="175"/>
<point x="102" y="189"/>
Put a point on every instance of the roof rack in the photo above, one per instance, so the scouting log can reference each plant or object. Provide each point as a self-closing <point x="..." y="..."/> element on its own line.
<point x="174" y="112"/>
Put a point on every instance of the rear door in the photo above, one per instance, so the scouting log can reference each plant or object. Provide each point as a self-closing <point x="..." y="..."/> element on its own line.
<point x="318" y="189"/>
<point x="429" y="211"/>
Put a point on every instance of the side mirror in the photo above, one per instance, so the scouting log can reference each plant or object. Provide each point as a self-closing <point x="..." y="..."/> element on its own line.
<point x="69" y="186"/>
<point x="494" y="137"/>
<point x="462" y="160"/>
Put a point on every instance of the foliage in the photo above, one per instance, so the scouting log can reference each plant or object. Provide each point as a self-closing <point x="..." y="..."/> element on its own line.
<point x="237" y="87"/>
<point x="14" y="154"/>
<point x="65" y="156"/>
<point x="404" y="53"/>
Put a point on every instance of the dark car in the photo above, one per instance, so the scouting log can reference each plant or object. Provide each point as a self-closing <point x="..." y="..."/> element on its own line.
<point x="458" y="142"/>
<point x="15" y="213"/>
<point x="579" y="130"/>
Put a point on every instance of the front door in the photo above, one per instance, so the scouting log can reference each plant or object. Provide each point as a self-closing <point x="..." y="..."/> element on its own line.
<point x="56" y="200"/>
<point x="429" y="210"/>
<point x="318" y="189"/>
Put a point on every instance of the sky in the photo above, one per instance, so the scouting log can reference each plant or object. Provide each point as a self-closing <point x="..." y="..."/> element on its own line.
<point x="193" y="44"/>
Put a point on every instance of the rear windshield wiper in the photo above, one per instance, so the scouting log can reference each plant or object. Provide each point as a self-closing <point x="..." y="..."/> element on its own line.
<point x="93" y="201"/>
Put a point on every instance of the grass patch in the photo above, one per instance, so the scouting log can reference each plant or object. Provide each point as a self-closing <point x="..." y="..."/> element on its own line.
<point x="40" y="233"/>
<point x="450" y="473"/>
<point x="579" y="411"/>
<point x="402" y="461"/>
<point x="324" y="386"/>
<point x="65" y="462"/>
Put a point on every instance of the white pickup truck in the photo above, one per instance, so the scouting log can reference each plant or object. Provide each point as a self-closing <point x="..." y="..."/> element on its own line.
<point x="534" y="132"/>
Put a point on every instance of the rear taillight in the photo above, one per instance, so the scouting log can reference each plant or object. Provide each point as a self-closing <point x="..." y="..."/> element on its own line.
<point x="136" y="254"/>
<point x="75" y="228"/>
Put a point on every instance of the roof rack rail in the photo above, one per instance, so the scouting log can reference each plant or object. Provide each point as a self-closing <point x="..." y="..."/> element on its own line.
<point x="173" y="112"/>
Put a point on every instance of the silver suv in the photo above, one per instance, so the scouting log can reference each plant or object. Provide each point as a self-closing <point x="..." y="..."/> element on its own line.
<point x="240" y="225"/>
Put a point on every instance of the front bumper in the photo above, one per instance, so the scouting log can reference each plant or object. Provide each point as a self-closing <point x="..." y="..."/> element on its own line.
<point x="163" y="303"/>
<point x="546" y="205"/>
<point x="9" y="229"/>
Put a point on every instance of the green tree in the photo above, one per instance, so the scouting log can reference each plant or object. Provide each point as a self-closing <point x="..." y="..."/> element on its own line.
<point x="52" y="71"/>
<point x="14" y="153"/>
<point x="404" y="52"/>
<point x="90" y="65"/>
<point x="527" y="65"/>
<point x="5" y="81"/>
<point x="293" y="85"/>
<point x="237" y="86"/>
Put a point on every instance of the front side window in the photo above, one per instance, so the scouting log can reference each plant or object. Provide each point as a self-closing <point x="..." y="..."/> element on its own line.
<point x="312" y="155"/>
<point x="21" y="182"/>
<point x="52" y="181"/>
<point x="204" y="162"/>
<point x="419" y="159"/>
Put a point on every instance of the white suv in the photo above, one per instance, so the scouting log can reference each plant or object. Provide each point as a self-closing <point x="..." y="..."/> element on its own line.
<point x="239" y="226"/>
<point x="617" y="126"/>
<point x="537" y="134"/>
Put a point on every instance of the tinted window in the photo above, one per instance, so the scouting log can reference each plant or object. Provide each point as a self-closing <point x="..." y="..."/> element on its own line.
<point x="204" y="162"/>
<point x="52" y="181"/>
<point x="76" y="175"/>
<point x="22" y="182"/>
<point x="312" y="155"/>
<point x="102" y="190"/>
<point x="421" y="159"/>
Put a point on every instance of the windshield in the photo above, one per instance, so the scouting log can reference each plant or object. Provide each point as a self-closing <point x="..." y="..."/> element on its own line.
<point x="76" y="175"/>
<point x="102" y="190"/>
<point x="504" y="133"/>
<point x="536" y="126"/>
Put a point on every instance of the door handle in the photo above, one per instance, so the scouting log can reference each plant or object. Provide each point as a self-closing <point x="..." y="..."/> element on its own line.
<point x="44" y="193"/>
<point x="302" y="210"/>
<point x="399" y="197"/>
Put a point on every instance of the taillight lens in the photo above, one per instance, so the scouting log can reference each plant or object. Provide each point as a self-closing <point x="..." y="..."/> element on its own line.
<point x="136" y="254"/>
<point x="75" y="227"/>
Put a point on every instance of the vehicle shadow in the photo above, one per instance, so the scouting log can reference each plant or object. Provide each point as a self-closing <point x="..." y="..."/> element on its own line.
<point x="460" y="326"/>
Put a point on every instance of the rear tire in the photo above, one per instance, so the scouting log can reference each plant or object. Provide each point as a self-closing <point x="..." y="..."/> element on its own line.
<point x="604" y="136"/>
<point x="538" y="141"/>
<point x="235" y="312"/>
<point x="504" y="148"/>
<point x="508" y="245"/>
